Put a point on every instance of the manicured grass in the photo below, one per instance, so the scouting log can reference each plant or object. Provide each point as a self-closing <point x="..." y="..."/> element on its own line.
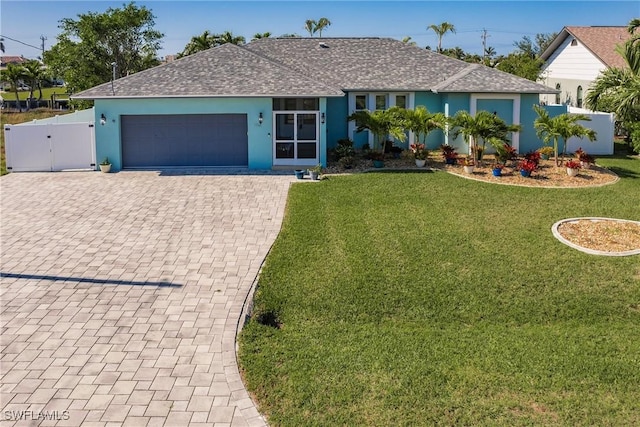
<point x="15" y="118"/>
<point x="61" y="93"/>
<point x="428" y="299"/>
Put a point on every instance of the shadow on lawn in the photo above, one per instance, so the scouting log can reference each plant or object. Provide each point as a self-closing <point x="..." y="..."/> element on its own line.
<point x="624" y="172"/>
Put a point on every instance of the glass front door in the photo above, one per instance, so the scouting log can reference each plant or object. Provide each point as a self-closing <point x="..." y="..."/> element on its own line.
<point x="295" y="138"/>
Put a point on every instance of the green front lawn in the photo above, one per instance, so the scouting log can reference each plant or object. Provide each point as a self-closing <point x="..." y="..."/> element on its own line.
<point x="428" y="299"/>
<point x="61" y="93"/>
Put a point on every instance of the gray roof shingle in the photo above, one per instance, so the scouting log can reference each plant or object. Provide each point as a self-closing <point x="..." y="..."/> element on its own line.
<point x="223" y="71"/>
<point x="314" y="67"/>
<point x="387" y="64"/>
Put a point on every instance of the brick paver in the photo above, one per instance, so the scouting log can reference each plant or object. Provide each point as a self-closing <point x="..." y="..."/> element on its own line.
<point x="121" y="294"/>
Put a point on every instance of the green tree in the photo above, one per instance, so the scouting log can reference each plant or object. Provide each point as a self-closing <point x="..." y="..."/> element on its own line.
<point x="440" y="31"/>
<point x="204" y="41"/>
<point x="382" y="124"/>
<point x="228" y="37"/>
<point x="14" y="73"/>
<point x="617" y="90"/>
<point x="421" y="122"/>
<point x="321" y="25"/>
<point x="87" y="46"/>
<point x="258" y="36"/>
<point x="482" y="128"/>
<point x="560" y="128"/>
<point x="310" y="26"/>
<point x="534" y="48"/>
<point x="521" y="64"/>
<point x="34" y="74"/>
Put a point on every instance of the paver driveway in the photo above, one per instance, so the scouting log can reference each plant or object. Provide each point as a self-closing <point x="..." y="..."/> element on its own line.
<point x="121" y="294"/>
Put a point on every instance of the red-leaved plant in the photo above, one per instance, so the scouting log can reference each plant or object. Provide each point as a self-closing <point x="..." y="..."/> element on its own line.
<point x="572" y="164"/>
<point x="528" y="165"/>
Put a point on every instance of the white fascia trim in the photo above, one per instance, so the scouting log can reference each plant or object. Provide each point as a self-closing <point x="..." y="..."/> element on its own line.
<point x="204" y="96"/>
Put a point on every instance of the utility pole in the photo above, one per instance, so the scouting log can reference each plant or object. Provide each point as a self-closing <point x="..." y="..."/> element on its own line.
<point x="42" y="38"/>
<point x="484" y="44"/>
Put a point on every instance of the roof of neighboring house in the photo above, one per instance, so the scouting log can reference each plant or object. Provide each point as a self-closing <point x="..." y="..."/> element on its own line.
<point x="223" y="71"/>
<point x="4" y="60"/>
<point x="316" y="67"/>
<point x="601" y="41"/>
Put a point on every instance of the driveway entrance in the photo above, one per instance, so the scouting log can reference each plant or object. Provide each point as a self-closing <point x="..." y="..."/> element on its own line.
<point x="121" y="294"/>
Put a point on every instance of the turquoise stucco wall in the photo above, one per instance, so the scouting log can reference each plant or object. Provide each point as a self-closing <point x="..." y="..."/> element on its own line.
<point x="457" y="102"/>
<point x="528" y="139"/>
<point x="433" y="102"/>
<point x="337" y="125"/>
<point x="108" y="142"/>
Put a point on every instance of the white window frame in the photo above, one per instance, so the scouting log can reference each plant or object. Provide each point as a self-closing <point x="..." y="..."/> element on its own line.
<point x="371" y="106"/>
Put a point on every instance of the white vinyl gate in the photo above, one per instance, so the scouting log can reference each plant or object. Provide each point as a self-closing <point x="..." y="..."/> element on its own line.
<point x="50" y="147"/>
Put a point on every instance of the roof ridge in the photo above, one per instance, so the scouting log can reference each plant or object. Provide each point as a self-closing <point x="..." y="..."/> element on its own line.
<point x="455" y="77"/>
<point x="284" y="66"/>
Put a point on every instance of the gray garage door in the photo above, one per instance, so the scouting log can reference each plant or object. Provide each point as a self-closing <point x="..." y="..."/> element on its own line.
<point x="184" y="140"/>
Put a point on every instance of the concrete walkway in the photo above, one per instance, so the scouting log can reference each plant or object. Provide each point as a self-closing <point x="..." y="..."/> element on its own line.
<point x="121" y="294"/>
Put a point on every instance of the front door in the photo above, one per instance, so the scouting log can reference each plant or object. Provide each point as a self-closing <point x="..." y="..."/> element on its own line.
<point x="295" y="138"/>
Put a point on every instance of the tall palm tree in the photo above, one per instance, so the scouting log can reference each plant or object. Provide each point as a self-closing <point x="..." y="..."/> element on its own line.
<point x="560" y="128"/>
<point x="310" y="26"/>
<point x="440" y="31"/>
<point x="321" y="25"/>
<point x="482" y="128"/>
<point x="14" y="73"/>
<point x="634" y="24"/>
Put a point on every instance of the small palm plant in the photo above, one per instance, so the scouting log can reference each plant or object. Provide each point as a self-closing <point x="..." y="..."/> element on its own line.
<point x="382" y="124"/>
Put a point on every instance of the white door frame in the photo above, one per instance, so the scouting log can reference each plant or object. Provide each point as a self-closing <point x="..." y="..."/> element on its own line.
<point x="295" y="161"/>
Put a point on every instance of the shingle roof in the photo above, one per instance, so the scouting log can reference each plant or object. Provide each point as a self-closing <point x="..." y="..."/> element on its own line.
<point x="601" y="41"/>
<point x="312" y="67"/>
<point x="223" y="71"/>
<point x="385" y="64"/>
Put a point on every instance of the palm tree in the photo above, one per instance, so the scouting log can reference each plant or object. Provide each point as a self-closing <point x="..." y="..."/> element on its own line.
<point x="34" y="73"/>
<point x="484" y="127"/>
<point x="561" y="127"/>
<point x="14" y="73"/>
<point x="382" y="124"/>
<point x="421" y="122"/>
<point x="321" y="25"/>
<point x="408" y="41"/>
<point x="204" y="41"/>
<point x="310" y="25"/>
<point x="440" y="31"/>
<point x="258" y="36"/>
<point x="634" y="24"/>
<point x="228" y="37"/>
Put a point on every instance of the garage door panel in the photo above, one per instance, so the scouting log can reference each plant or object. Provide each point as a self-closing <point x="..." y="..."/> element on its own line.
<point x="185" y="140"/>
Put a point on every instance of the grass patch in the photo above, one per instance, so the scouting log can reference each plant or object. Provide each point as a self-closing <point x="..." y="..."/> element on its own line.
<point x="423" y="299"/>
<point x="61" y="93"/>
<point x="15" y="118"/>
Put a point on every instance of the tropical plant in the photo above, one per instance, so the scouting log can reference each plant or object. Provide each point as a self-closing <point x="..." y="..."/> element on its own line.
<point x="418" y="151"/>
<point x="572" y="164"/>
<point x="382" y="124"/>
<point x="321" y="25"/>
<point x="617" y="90"/>
<point x="310" y="26"/>
<point x="560" y="129"/>
<point x="421" y="122"/>
<point x="34" y="74"/>
<point x="527" y="165"/>
<point x="258" y="36"/>
<point x="14" y="73"/>
<point x="228" y="37"/>
<point x="440" y="31"/>
<point x="448" y="151"/>
<point x="504" y="151"/>
<point x="482" y="128"/>
<point x="546" y="151"/>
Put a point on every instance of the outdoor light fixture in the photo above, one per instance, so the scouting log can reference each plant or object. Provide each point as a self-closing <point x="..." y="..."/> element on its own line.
<point x="260" y="119"/>
<point x="322" y="118"/>
<point x="103" y="119"/>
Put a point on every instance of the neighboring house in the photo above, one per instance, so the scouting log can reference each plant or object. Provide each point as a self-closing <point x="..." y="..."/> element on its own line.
<point x="284" y="102"/>
<point x="4" y="60"/>
<point x="575" y="58"/>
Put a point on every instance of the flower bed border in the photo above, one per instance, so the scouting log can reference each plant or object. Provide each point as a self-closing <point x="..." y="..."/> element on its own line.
<point x="557" y="235"/>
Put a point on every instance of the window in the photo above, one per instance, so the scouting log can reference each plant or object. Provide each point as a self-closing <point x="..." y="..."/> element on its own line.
<point x="361" y="102"/>
<point x="401" y="101"/>
<point x="558" y="94"/>
<point x="381" y="102"/>
<point x="574" y="42"/>
<point x="296" y="104"/>
<point x="579" y="97"/>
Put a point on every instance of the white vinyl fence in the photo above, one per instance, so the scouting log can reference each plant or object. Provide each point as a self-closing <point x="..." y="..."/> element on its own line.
<point x="602" y="123"/>
<point x="47" y="147"/>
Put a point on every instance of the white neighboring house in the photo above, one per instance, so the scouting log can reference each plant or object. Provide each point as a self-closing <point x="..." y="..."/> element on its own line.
<point x="575" y="58"/>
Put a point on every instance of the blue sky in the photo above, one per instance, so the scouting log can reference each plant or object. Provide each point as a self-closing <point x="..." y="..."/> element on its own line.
<point x="505" y="21"/>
